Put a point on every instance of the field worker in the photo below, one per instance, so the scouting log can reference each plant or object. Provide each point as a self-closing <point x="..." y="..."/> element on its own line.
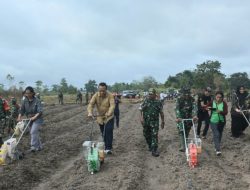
<point x="79" y="97"/>
<point x="13" y="114"/>
<point x="87" y="98"/>
<point x="31" y="107"/>
<point x="240" y="101"/>
<point x="185" y="109"/>
<point x="117" y="110"/>
<point x="2" y="118"/>
<point x="60" y="97"/>
<point x="151" y="108"/>
<point x="104" y="102"/>
<point x="203" y="114"/>
<point x="219" y="111"/>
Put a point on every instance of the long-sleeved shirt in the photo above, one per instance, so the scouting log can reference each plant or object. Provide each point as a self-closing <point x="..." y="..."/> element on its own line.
<point x="105" y="107"/>
<point x="31" y="107"/>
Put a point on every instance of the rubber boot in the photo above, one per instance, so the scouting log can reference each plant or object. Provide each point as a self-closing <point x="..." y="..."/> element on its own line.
<point x="155" y="153"/>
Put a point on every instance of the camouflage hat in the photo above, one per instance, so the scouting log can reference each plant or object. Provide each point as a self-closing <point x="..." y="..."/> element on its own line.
<point x="151" y="91"/>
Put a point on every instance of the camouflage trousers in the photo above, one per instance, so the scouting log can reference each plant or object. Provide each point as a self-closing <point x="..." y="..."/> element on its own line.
<point x="180" y="128"/>
<point x="150" y="132"/>
<point x="60" y="100"/>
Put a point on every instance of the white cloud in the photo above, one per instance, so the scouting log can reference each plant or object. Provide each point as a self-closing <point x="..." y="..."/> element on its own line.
<point x="120" y="40"/>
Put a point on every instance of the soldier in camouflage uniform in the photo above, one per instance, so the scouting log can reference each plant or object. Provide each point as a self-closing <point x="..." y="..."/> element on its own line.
<point x="151" y="108"/>
<point x="79" y="97"/>
<point x="185" y="109"/>
<point x="60" y="97"/>
<point x="2" y="118"/>
<point x="13" y="114"/>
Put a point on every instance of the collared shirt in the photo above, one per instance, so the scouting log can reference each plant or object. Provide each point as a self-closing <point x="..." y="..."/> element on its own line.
<point x="105" y="107"/>
<point x="31" y="107"/>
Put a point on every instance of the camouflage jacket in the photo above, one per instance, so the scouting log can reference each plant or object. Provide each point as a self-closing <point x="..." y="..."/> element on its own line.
<point x="14" y="110"/>
<point x="2" y="112"/>
<point x="186" y="108"/>
<point x="151" y="109"/>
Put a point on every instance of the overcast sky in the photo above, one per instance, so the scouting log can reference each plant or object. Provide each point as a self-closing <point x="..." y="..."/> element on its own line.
<point x="120" y="40"/>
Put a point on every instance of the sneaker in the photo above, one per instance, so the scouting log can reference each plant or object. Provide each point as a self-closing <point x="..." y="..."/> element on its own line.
<point x="218" y="153"/>
<point x="32" y="149"/>
<point x="182" y="149"/>
<point x="39" y="149"/>
<point x="108" y="151"/>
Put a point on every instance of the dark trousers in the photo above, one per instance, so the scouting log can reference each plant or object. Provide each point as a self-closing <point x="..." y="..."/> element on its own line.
<point x="217" y="134"/>
<point x="238" y="124"/>
<point x="117" y="115"/>
<point x="107" y="133"/>
<point x="203" y="117"/>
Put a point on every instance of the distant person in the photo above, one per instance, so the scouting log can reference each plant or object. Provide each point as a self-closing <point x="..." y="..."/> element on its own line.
<point x="151" y="109"/>
<point x="104" y="102"/>
<point x="240" y="102"/>
<point x="219" y="110"/>
<point x="87" y="98"/>
<point x="31" y="107"/>
<point x="60" y="97"/>
<point x="79" y="97"/>
<point x="162" y="97"/>
<point x="117" y="110"/>
<point x="203" y="114"/>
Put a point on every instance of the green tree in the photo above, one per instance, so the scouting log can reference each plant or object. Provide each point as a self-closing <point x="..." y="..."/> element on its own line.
<point x="237" y="79"/>
<point x="64" y="85"/>
<point x="45" y="89"/>
<point x="10" y="79"/>
<point x="39" y="85"/>
<point x="1" y="88"/>
<point x="205" y="74"/>
<point x="72" y="89"/>
<point x="91" y="86"/>
<point x="148" y="82"/>
<point x="21" y="85"/>
<point x="172" y="81"/>
<point x="55" y="87"/>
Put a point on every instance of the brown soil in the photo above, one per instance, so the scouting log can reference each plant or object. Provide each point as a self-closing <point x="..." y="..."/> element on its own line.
<point x="61" y="164"/>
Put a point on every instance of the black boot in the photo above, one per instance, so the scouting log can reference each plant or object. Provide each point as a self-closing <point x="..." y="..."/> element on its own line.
<point x="155" y="153"/>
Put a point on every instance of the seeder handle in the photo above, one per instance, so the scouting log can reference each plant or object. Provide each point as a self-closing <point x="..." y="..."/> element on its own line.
<point x="27" y="125"/>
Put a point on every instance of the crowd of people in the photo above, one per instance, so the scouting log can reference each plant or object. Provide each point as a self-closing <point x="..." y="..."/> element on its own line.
<point x="207" y="109"/>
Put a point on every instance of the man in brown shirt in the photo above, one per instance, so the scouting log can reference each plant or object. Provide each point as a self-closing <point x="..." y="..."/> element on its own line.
<point x="104" y="102"/>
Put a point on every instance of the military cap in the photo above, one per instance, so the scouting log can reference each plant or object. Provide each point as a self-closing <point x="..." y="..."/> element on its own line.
<point x="151" y="91"/>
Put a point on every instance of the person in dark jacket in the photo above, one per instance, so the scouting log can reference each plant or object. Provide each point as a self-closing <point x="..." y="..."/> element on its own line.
<point x="240" y="103"/>
<point x="117" y="110"/>
<point x="203" y="115"/>
<point x="31" y="108"/>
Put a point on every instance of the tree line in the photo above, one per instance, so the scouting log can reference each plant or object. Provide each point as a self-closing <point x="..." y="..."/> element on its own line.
<point x="205" y="74"/>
